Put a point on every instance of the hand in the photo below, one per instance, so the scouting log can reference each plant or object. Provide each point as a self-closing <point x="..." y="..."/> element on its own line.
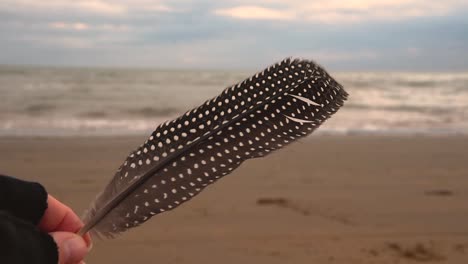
<point x="62" y="224"/>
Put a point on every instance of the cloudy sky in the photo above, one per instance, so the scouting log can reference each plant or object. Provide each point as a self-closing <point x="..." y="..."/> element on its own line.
<point x="416" y="35"/>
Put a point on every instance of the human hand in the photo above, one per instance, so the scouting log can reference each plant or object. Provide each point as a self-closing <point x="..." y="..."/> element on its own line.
<point x="62" y="224"/>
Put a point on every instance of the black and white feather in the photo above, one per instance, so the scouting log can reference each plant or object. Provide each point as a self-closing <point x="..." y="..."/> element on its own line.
<point x="265" y="112"/>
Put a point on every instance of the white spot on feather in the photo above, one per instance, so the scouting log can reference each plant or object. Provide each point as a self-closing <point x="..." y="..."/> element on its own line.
<point x="306" y="100"/>
<point x="301" y="121"/>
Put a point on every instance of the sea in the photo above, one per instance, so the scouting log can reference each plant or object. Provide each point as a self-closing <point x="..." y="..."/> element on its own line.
<point x="48" y="101"/>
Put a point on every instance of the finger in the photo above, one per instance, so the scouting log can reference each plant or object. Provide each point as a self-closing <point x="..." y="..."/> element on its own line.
<point x="59" y="217"/>
<point x="71" y="247"/>
<point x="87" y="239"/>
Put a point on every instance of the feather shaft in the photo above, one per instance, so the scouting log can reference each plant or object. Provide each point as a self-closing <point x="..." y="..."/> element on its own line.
<point x="141" y="180"/>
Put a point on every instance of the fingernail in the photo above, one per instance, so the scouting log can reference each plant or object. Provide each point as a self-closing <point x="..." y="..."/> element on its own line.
<point x="75" y="248"/>
<point x="88" y="240"/>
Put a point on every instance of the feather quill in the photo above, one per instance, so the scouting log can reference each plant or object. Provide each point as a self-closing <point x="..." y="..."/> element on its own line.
<point x="251" y="119"/>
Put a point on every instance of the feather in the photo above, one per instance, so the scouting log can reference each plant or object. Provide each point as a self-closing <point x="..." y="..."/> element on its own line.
<point x="251" y="119"/>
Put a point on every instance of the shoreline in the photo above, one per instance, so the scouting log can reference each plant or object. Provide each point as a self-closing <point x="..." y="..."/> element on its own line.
<point x="318" y="134"/>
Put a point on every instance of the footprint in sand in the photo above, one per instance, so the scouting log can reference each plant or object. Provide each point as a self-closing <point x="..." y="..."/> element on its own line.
<point x="418" y="252"/>
<point x="285" y="203"/>
<point x="439" y="192"/>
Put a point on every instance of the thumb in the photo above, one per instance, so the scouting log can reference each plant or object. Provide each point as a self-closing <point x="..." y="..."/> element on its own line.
<point x="71" y="247"/>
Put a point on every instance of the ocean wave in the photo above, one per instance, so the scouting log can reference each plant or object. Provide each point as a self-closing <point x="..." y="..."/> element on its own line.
<point x="94" y="114"/>
<point x="153" y="112"/>
<point x="52" y="101"/>
<point x="344" y="124"/>
<point x="436" y="110"/>
<point x="39" y="109"/>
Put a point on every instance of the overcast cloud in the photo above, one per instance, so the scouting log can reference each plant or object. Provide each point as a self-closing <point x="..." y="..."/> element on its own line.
<point x="416" y="35"/>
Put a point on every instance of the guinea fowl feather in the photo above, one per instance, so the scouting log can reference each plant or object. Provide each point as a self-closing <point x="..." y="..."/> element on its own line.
<point x="273" y="108"/>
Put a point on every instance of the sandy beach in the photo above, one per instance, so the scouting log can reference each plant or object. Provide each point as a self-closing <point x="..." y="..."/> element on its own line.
<point x="327" y="199"/>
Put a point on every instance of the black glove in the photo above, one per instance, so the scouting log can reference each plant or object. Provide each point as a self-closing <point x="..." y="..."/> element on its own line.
<point x="22" y="205"/>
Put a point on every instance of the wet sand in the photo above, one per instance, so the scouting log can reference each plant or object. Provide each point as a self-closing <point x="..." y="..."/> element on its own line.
<point x="327" y="199"/>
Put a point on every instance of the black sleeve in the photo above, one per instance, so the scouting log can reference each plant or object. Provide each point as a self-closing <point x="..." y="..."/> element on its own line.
<point x="25" y="200"/>
<point x="22" y="243"/>
<point x="22" y="205"/>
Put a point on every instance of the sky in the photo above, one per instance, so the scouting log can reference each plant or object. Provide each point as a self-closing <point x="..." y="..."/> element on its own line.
<point x="353" y="35"/>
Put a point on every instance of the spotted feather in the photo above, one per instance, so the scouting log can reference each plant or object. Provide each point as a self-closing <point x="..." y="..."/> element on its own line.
<point x="251" y="119"/>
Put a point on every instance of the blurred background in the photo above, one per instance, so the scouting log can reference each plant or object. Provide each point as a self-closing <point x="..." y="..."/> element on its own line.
<point x="385" y="180"/>
<point x="99" y="67"/>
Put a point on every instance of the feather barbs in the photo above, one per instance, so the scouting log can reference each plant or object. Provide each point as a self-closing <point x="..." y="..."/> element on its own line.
<point x="263" y="113"/>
